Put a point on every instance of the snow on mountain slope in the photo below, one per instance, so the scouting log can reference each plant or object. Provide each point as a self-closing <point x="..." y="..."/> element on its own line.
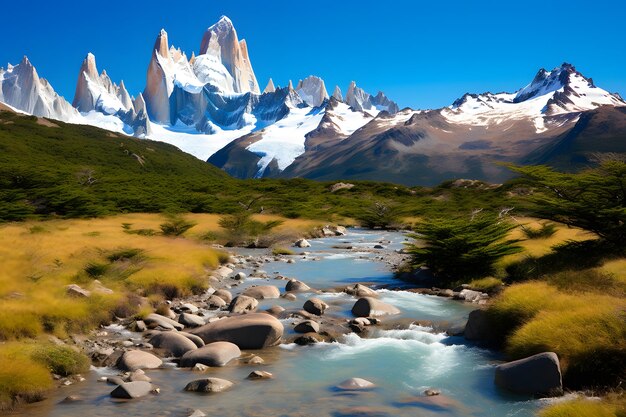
<point x="284" y="140"/>
<point x="560" y="91"/>
<point x="346" y="119"/>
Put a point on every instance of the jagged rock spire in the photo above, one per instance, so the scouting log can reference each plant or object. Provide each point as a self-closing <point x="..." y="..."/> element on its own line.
<point x="270" y="87"/>
<point x="337" y="94"/>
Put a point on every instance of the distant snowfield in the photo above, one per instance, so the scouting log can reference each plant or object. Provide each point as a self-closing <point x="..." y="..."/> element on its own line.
<point x="284" y="140"/>
<point x="200" y="145"/>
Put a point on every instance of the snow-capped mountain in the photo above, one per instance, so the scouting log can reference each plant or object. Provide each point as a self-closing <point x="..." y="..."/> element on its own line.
<point x="210" y="105"/>
<point x="21" y="88"/>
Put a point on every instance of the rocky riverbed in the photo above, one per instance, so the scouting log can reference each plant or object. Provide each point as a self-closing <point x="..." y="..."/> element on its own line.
<point x="317" y="333"/>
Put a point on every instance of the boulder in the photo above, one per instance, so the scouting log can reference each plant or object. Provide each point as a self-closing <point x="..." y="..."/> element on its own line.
<point x="190" y="320"/>
<point x="262" y="292"/>
<point x="189" y="307"/>
<point x="208" y="385"/>
<point x="295" y="285"/>
<point x="156" y="320"/>
<point x="249" y="331"/>
<point x="239" y="276"/>
<point x="223" y="271"/>
<point x="224" y="295"/>
<point x="536" y="375"/>
<point x="275" y="311"/>
<point x="254" y="360"/>
<point x="356" y="384"/>
<point x="243" y="304"/>
<point x="130" y="390"/>
<point x="315" y="306"/>
<point x="215" y="301"/>
<point x="308" y="339"/>
<point x="472" y="296"/>
<point x="138" y="359"/>
<point x="302" y="243"/>
<point x="74" y="290"/>
<point x="371" y="307"/>
<point x="478" y="327"/>
<point x="172" y="343"/>
<point x="139" y="375"/>
<point x="195" y="339"/>
<point x="256" y="375"/>
<point x="307" y="326"/>
<point x="212" y="354"/>
<point x="341" y="231"/>
<point x="289" y="296"/>
<point x="360" y="290"/>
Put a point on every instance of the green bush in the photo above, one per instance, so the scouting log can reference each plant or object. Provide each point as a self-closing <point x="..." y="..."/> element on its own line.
<point x="462" y="247"/>
<point x="282" y="251"/>
<point x="61" y="360"/>
<point x="243" y="230"/>
<point x="379" y="216"/>
<point x="176" y="225"/>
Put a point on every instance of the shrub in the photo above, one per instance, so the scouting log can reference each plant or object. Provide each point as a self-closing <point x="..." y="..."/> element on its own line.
<point x="487" y="284"/>
<point x="61" y="360"/>
<point x="243" y="230"/>
<point x="379" y="216"/>
<point x="460" y="248"/>
<point x="282" y="251"/>
<point x="96" y="269"/>
<point x="21" y="378"/>
<point x="587" y="280"/>
<point x="125" y="254"/>
<point x="545" y="231"/>
<point x="176" y="225"/>
<point x="579" y="408"/>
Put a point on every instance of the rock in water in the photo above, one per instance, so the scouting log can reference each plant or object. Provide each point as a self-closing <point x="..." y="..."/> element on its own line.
<point x="255" y="375"/>
<point x="224" y="295"/>
<point x="536" y="375"/>
<point x="172" y="343"/>
<point x="262" y="292"/>
<point x="212" y="354"/>
<point x="295" y="285"/>
<point x="208" y="385"/>
<point x="307" y="326"/>
<point x="138" y="359"/>
<point x="249" y="331"/>
<point x="354" y="384"/>
<point x="315" y="306"/>
<point x="371" y="307"/>
<point x="130" y="390"/>
<point x="302" y="243"/>
<point x="243" y="304"/>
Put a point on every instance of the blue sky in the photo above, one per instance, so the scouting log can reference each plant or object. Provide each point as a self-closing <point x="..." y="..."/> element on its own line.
<point x="421" y="54"/>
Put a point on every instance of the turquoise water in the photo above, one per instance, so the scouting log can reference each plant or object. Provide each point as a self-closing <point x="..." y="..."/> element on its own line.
<point x="402" y="362"/>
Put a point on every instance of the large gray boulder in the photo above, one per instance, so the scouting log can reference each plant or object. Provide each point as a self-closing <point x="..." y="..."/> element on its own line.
<point x="216" y="302"/>
<point x="212" y="354"/>
<point x="295" y="285"/>
<point x="243" y="304"/>
<point x="248" y="331"/>
<point x="172" y="343"/>
<point x="356" y="384"/>
<point x="138" y="359"/>
<point x="262" y="292"/>
<point x="371" y="307"/>
<point x="307" y="326"/>
<point x="302" y="243"/>
<point x="195" y="339"/>
<point x="478" y="327"/>
<point x="360" y="290"/>
<point x="208" y="385"/>
<point x="315" y="306"/>
<point x="154" y="320"/>
<point x="130" y="390"/>
<point x="536" y="375"/>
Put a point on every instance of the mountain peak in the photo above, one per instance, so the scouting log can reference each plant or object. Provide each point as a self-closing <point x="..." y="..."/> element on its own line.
<point x="270" y="87"/>
<point x="161" y="44"/>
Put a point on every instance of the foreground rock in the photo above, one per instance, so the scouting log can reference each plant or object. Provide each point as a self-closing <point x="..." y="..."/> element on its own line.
<point x="315" y="306"/>
<point x="256" y="375"/>
<point x="536" y="375"/>
<point x="249" y="331"/>
<point x="224" y="295"/>
<point x="371" y="307"/>
<point x="190" y="320"/>
<point x="360" y="290"/>
<point x="172" y="343"/>
<point x="354" y="384"/>
<point x="262" y="292"/>
<point x="130" y="390"/>
<point x="478" y="327"/>
<point x="307" y="326"/>
<point x="138" y="359"/>
<point x="208" y="385"/>
<point x="302" y="243"/>
<point x="213" y="354"/>
<point x="154" y="320"/>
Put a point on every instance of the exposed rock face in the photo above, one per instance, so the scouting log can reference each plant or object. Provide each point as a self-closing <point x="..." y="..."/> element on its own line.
<point x="221" y="41"/>
<point x="357" y="98"/>
<point x="212" y="354"/>
<point x="371" y="307"/>
<point x="98" y="92"/>
<point x="536" y="375"/>
<point x="270" y="88"/>
<point x="313" y="91"/>
<point x="21" y="88"/>
<point x="337" y="94"/>
<point x="249" y="331"/>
